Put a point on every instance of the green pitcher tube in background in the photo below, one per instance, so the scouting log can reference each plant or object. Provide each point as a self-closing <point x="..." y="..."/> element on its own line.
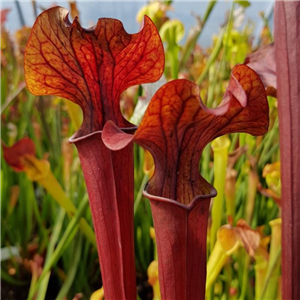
<point x="220" y="148"/>
<point x="273" y="268"/>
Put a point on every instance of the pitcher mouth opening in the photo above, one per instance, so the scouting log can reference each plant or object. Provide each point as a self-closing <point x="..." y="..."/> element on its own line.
<point x="75" y="138"/>
<point x="188" y="207"/>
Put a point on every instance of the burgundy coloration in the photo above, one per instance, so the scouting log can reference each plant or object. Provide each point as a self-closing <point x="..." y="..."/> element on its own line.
<point x="263" y="63"/>
<point x="287" y="53"/>
<point x="180" y="233"/>
<point x="175" y="129"/>
<point x="110" y="189"/>
<point x="92" y="67"/>
<point x="14" y="154"/>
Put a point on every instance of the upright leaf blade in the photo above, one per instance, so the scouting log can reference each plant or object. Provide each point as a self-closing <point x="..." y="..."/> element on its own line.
<point x="287" y="53"/>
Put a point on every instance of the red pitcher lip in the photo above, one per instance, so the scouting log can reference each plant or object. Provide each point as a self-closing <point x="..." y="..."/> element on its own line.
<point x="73" y="139"/>
<point x="188" y="207"/>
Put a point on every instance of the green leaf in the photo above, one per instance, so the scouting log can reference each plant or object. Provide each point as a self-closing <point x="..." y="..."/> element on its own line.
<point x="243" y="3"/>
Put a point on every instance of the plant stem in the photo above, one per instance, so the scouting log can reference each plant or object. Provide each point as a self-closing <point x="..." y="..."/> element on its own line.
<point x="42" y="289"/>
<point x="19" y="10"/>
<point x="62" y="245"/>
<point x="245" y="273"/>
<point x="73" y="268"/>
<point x="212" y="58"/>
<point x="191" y="42"/>
<point x="140" y="193"/>
<point x="273" y="268"/>
<point x="56" y="191"/>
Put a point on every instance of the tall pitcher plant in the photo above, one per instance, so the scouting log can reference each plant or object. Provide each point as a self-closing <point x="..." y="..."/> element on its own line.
<point x="91" y="68"/>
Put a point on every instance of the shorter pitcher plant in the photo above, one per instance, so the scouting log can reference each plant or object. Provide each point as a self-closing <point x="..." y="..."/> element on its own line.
<point x="175" y="129"/>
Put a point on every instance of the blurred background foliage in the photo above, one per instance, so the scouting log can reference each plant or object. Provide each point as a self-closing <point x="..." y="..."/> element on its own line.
<point x="46" y="254"/>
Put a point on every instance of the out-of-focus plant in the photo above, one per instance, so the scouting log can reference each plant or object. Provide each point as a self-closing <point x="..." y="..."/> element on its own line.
<point x="171" y="33"/>
<point x="156" y="10"/>
<point x="243" y="3"/>
<point x="263" y="62"/>
<point x="230" y="184"/>
<point x="270" y="286"/>
<point x="238" y="44"/>
<point x="194" y="34"/>
<point x="251" y="189"/>
<point x="152" y="270"/>
<point x="271" y="173"/>
<point x="266" y="36"/>
<point x="220" y="148"/>
<point x="229" y="239"/>
<point x="152" y="273"/>
<point x="22" y="158"/>
<point x="98" y="295"/>
<point x="74" y="11"/>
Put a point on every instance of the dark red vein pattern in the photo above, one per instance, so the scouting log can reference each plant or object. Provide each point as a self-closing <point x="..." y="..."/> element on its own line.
<point x="183" y="127"/>
<point x="177" y="126"/>
<point x="91" y="67"/>
<point x="175" y="129"/>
